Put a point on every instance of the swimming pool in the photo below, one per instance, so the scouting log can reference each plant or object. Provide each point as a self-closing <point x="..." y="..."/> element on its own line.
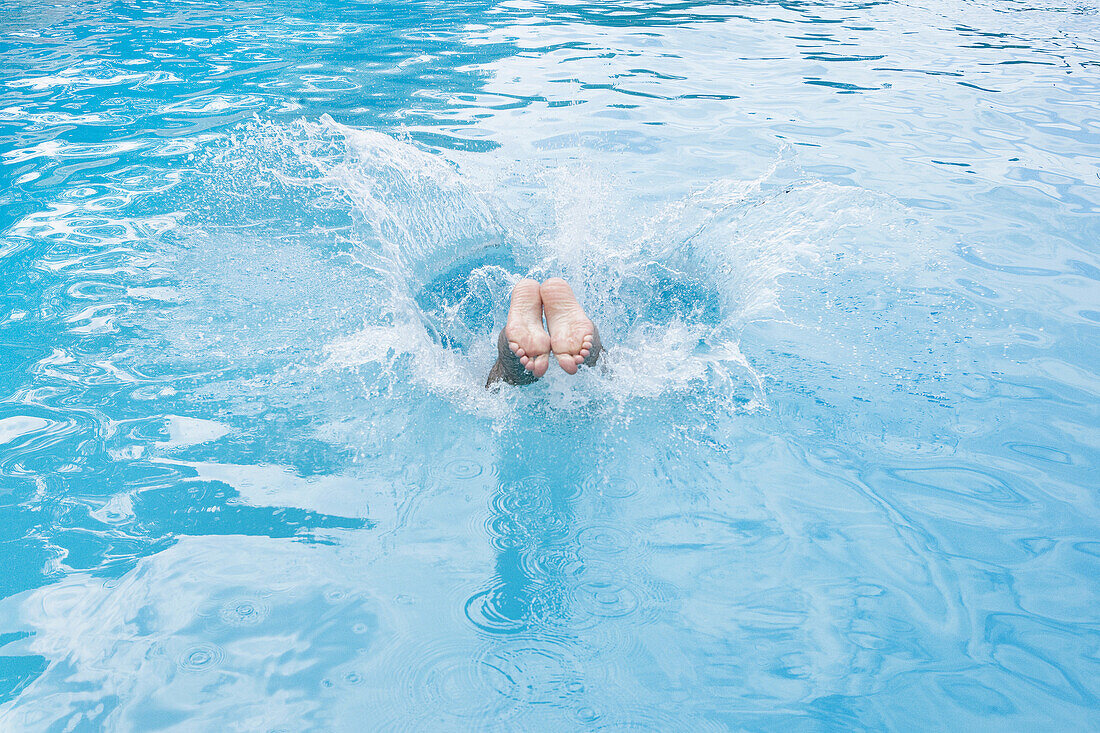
<point x="840" y="473"/>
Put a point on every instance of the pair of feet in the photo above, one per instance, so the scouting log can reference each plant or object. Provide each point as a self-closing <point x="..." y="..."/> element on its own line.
<point x="525" y="345"/>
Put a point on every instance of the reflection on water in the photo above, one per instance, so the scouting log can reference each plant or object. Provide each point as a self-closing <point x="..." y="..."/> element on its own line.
<point x="838" y="470"/>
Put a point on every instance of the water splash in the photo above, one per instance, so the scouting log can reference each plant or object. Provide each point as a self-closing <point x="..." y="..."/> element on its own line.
<point x="675" y="291"/>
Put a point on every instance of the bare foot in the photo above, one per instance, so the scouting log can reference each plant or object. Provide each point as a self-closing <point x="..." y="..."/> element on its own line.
<point x="526" y="337"/>
<point x="573" y="336"/>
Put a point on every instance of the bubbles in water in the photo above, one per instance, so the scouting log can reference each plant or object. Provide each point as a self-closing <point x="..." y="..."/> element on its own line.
<point x="344" y="678"/>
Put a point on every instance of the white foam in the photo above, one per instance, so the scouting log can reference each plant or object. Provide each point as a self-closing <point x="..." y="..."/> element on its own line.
<point x="733" y="246"/>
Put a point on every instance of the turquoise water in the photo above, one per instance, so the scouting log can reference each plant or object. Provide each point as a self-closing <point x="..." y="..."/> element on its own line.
<point x="840" y="473"/>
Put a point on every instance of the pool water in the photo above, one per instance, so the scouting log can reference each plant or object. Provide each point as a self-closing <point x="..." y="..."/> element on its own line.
<point x="839" y="468"/>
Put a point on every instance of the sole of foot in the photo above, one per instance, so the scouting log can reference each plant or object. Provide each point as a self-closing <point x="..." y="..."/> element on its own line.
<point x="571" y="331"/>
<point x="527" y="338"/>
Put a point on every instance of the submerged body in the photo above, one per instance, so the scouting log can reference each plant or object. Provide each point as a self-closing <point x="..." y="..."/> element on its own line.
<point x="524" y="345"/>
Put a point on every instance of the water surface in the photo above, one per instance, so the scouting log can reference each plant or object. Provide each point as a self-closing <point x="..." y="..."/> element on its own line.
<point x="839" y="473"/>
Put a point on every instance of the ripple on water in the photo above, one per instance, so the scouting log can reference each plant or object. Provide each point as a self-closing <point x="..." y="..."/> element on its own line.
<point x="243" y="612"/>
<point x="612" y="487"/>
<point x="433" y="680"/>
<point x="963" y="495"/>
<point x="550" y="562"/>
<point x="606" y="598"/>
<point x="963" y="482"/>
<point x="599" y="592"/>
<point x="494" y="611"/>
<point x="522" y="498"/>
<point x="462" y="469"/>
<point x="32" y="443"/>
<point x="605" y="539"/>
<point x="200" y="657"/>
<point x="975" y="697"/>
<point x="521" y="514"/>
<point x="336" y="595"/>
<point x="345" y="677"/>
<point x="534" y="671"/>
<point x="690" y="531"/>
<point x="512" y="532"/>
<point x="655" y="721"/>
<point x="1032" y="648"/>
<point x="1041" y="452"/>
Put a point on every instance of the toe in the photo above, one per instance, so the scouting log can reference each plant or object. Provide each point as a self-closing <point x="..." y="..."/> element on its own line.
<point x="567" y="363"/>
<point x="539" y="364"/>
